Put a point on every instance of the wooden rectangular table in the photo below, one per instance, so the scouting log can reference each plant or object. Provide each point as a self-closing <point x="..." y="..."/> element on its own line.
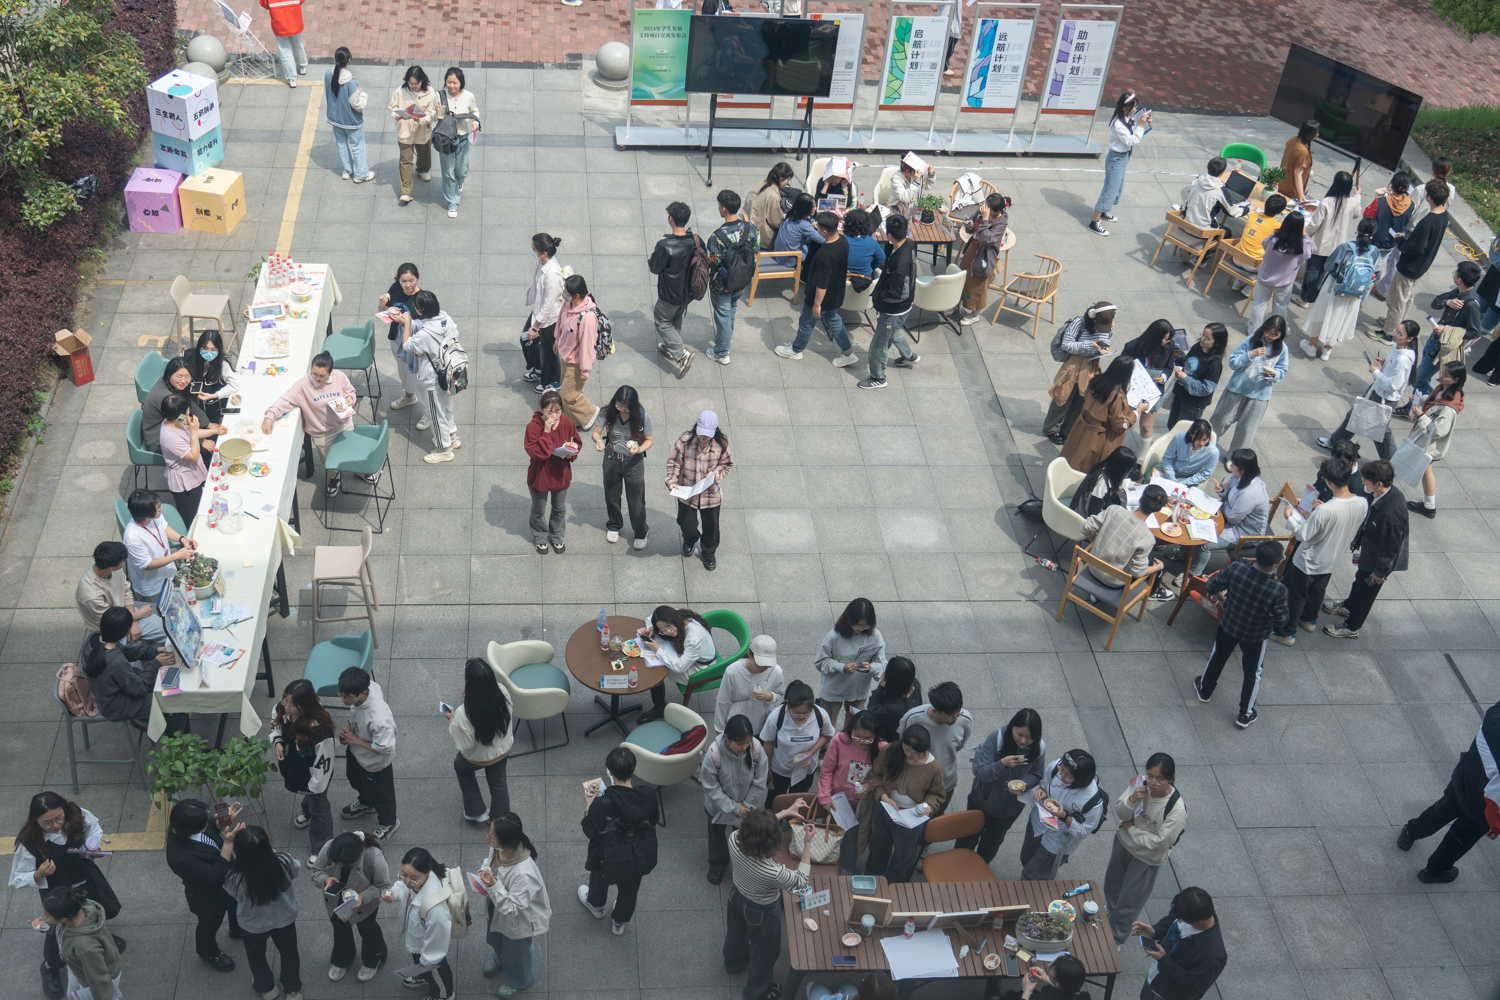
<point x="813" y="951"/>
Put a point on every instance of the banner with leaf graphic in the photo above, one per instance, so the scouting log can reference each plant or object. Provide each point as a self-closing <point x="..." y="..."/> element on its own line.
<point x="914" y="62"/>
<point x="659" y="47"/>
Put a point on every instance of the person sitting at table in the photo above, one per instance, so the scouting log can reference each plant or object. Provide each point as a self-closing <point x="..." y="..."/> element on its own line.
<point x="875" y="986"/>
<point x="1246" y="510"/>
<point x="907" y="185"/>
<point x="835" y="180"/>
<point x="326" y="399"/>
<point x="148" y="539"/>
<point x="797" y="231"/>
<point x="906" y="776"/>
<point x="1062" y="978"/>
<point x="1191" y="456"/>
<point x="681" y="638"/>
<point x="1119" y="537"/>
<point x="752" y="927"/>
<point x="751" y="687"/>
<point x="1259" y="225"/>
<point x="1104" y="486"/>
<point x="1203" y="200"/>
<point x="105" y="585"/>
<point x="214" y="381"/>
<point x="182" y="449"/>
<point x="122" y="675"/>
<point x="865" y="252"/>
<point x="175" y="379"/>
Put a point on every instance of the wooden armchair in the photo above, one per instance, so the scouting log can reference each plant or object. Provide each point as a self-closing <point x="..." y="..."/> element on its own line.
<point x="1195" y="587"/>
<point x="1032" y="290"/>
<point x="1111" y="604"/>
<point x="1187" y="238"/>
<point x="1239" y="265"/>
<point x="795" y="272"/>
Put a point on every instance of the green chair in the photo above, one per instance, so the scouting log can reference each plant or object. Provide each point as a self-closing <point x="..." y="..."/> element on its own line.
<point x="143" y="458"/>
<point x="353" y="349"/>
<point x="1246" y="151"/>
<point x="329" y="659"/>
<point x="174" y="519"/>
<point x="710" y="676"/>
<point x="147" y="374"/>
<point x="363" y="451"/>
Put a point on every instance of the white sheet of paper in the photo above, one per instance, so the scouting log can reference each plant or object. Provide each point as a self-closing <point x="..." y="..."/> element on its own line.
<point x="721" y="818"/>
<point x="908" y="818"/>
<point x="1203" y="501"/>
<point x="1172" y="488"/>
<point x="1049" y="956"/>
<point x="1202" y="529"/>
<point x="813" y="900"/>
<point x="344" y="909"/>
<point x="1308" y="499"/>
<point x="688" y="492"/>
<point x="1133" y="496"/>
<point x="1137" y="782"/>
<point x="843" y="812"/>
<point x="924" y="955"/>
<point x="1152" y="522"/>
<point x="1141" y="388"/>
<point x="915" y="162"/>
<point x="651" y="659"/>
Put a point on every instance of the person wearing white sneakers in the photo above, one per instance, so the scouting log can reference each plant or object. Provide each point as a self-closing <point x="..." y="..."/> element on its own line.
<point x="827" y="268"/>
<point x="346" y="113"/>
<point x="455" y="100"/>
<point x="286" y="25"/>
<point x="423" y="331"/>
<point x="518" y="906"/>
<point x="400" y="295"/>
<point x="624" y="435"/>
<point x="576" y="344"/>
<point x="260" y="880"/>
<point x="352" y="862"/>
<point x="987" y="231"/>
<point x="414" y="128"/>
<point x="1125" y="133"/>
<point x="620" y="822"/>
<point x="421" y="899"/>
<point x="483" y="727"/>
<point x="326" y="398"/>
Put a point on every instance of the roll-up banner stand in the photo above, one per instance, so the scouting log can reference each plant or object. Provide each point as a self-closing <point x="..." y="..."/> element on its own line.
<point x="844" y="94"/>
<point x="658" y="61"/>
<point x="999" y="54"/>
<point x="1075" y="76"/>
<point x="913" y="68"/>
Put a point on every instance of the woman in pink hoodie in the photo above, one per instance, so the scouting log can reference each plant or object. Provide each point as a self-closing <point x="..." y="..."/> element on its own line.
<point x="577" y="331"/>
<point x="846" y="769"/>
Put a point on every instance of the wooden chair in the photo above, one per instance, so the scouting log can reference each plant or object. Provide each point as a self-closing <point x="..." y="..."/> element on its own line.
<point x="1108" y="603"/>
<point x="1195" y="588"/>
<point x="1197" y="243"/>
<point x="795" y="273"/>
<point x="1239" y="265"/>
<point x="1033" y="290"/>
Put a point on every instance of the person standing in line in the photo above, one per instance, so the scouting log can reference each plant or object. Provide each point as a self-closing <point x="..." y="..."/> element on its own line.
<point x="846" y="673"/>
<point x="1382" y="547"/>
<point x="1085" y="339"/>
<point x="624" y="435"/>
<point x="286" y="25"/>
<point x="260" y="880"/>
<point x="1433" y="423"/>
<point x="1125" y="133"/>
<point x="551" y="444"/>
<point x="400" y="295"/>
<point x="906" y="775"/>
<point x="1254" y="607"/>
<point x="516" y="902"/>
<point x="979" y="258"/>
<point x="1329" y="227"/>
<point x="1258" y="364"/>
<point x="1152" y="818"/>
<point x="751" y="687"/>
<point x="896" y="693"/>
<point x="576" y="344"/>
<point x="620" y="823"/>
<point x="752" y="926"/>
<point x="766" y="213"/>
<point x="198" y="853"/>
<point x="44" y="859"/>
<point x="83" y="940"/>
<point x="1389" y="376"/>
<point x="370" y="735"/>
<point x="327" y="399"/>
<point x="1471" y="802"/>
<point x="455" y="100"/>
<point x="1395" y="215"/>
<point x="1070" y="793"/>
<point x="413" y="127"/>
<point x="1189" y="952"/>
<point x="793" y="736"/>
<point x="302" y="735"/>
<point x="1283" y="252"/>
<point x="483" y="730"/>
<point x="950" y="725"/>
<point x="846" y="771"/>
<point x="1156" y="350"/>
<point x="427" y="924"/>
<point x="735" y="231"/>
<point x="353" y="862"/>
<point x="545" y="299"/>
<point x="182" y="449"/>
<point x="823" y="294"/>
<point x="672" y="263"/>
<point x="1419" y="249"/>
<point x="1323" y="537"/>
<point x="681" y="638"/>
<point x="347" y="101"/>
<point x="895" y="291"/>
<point x="1105" y="416"/>
<point x="1012" y="754"/>
<point x="1334" y="316"/>
<point x="1297" y="161"/>
<point x="1459" y="324"/>
<point x="733" y="775"/>
<point x="424" y="330"/>
<point x="699" y="453"/>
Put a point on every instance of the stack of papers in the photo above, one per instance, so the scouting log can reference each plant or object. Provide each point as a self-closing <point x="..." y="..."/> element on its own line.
<point x="1202" y="529"/>
<point x="909" y="818"/>
<point x="217" y="654"/>
<point x="1203" y="501"/>
<point x="924" y="955"/>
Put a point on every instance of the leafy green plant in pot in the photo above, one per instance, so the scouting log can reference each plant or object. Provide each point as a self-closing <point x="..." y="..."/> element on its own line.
<point x="929" y="205"/>
<point x="1270" y="177"/>
<point x="180" y="768"/>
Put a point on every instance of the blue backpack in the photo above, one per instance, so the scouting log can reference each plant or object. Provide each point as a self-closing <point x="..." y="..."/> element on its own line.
<point x="1356" y="271"/>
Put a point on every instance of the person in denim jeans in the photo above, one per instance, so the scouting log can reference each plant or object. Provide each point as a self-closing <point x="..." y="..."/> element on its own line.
<point x="827" y="272"/>
<point x="752" y="928"/>
<point x="346" y="106"/>
<point x="455" y="165"/>
<point x="893" y="295"/>
<point x="720" y="297"/>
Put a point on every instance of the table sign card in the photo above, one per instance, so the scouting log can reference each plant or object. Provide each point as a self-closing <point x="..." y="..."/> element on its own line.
<point x="815" y="900"/>
<point x="614" y="683"/>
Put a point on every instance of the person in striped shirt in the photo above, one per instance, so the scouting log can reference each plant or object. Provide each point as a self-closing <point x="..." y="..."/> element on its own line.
<point x="752" y="931"/>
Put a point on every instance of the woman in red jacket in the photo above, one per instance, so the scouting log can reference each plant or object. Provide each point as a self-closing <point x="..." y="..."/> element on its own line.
<point x="552" y="444"/>
<point x="286" y="25"/>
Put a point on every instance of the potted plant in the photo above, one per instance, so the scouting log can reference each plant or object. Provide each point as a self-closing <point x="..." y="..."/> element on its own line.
<point x="199" y="574"/>
<point x="929" y="205"/>
<point x="180" y="769"/>
<point x="1038" y="931"/>
<point x="1269" y="178"/>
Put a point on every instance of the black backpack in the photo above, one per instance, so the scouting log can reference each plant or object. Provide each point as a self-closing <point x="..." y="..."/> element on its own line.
<point x="445" y="137"/>
<point x="628" y="849"/>
<point x="738" y="263"/>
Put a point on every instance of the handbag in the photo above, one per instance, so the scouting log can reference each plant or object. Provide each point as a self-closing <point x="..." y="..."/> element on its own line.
<point x="1412" y="459"/>
<point x="826" y="839"/>
<point x="1369" y="418"/>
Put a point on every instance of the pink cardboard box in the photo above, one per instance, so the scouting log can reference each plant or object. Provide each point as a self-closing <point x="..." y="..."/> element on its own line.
<point x="151" y="200"/>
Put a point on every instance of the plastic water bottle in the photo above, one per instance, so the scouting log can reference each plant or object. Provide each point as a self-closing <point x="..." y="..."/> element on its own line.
<point x="603" y="620"/>
<point x="910" y="928"/>
<point x="634" y="677"/>
<point x="604" y="638"/>
<point x="1047" y="563"/>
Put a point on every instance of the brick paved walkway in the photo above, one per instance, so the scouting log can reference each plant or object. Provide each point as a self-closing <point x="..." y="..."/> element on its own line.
<point x="1224" y="55"/>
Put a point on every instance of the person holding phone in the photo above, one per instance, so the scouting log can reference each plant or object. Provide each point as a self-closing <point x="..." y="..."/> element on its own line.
<point x="424" y="330"/>
<point x="1382" y="546"/>
<point x="1085" y="339"/>
<point x="122" y="675"/>
<point x="552" y="444"/>
<point x="261" y="881"/>
<point x="421" y="899"/>
<point x="1388" y="378"/>
<point x="198" y="852"/>
<point x="852" y="654"/>
<point x="1125" y="133"/>
<point x="483" y="730"/>
<point x="352" y="862"/>
<point x="1257" y="364"/>
<point x="1186" y="948"/>
<point x="516" y="902"/>
<point x="399" y="296"/>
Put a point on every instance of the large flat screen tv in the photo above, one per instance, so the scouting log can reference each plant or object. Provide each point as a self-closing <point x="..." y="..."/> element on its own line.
<point x="1357" y="112"/>
<point x="760" y="55"/>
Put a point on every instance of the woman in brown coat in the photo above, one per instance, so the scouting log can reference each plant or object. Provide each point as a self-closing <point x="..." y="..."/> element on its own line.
<point x="1105" y="417"/>
<point x="982" y="254"/>
<point x="1085" y="340"/>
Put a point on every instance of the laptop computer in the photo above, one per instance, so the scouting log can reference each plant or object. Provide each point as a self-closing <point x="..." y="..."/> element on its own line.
<point x="1237" y="187"/>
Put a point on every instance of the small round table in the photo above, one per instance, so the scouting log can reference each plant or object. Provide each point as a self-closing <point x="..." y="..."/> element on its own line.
<point x="590" y="665"/>
<point x="1181" y="539"/>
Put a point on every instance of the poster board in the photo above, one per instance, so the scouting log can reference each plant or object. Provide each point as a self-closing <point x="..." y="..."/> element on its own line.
<point x="876" y="906"/>
<point x="181" y="625"/>
<point x="999" y="52"/>
<point x="914" y="62"/>
<point x="760" y="101"/>
<point x="658" y="57"/>
<point x="847" y="57"/>
<point x="1079" y="65"/>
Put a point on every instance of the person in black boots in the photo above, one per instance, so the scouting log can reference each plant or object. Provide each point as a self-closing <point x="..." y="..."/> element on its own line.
<point x="1471" y="802"/>
<point x="1186" y="948"/>
<point x="43" y="859"/>
<point x="198" y="853"/>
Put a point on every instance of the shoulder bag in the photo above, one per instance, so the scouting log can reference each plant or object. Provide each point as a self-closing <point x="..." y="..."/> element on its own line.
<point x="826" y="839"/>
<point x="1412" y="459"/>
<point x="1369" y="417"/>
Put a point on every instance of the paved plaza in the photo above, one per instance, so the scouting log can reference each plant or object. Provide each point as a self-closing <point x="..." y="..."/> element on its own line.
<point x="905" y="496"/>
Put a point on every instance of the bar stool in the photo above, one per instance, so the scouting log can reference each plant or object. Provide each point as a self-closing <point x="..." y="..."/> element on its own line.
<point x="345" y="566"/>
<point x="192" y="307"/>
<point x="364" y="451"/>
<point x="353" y="350"/>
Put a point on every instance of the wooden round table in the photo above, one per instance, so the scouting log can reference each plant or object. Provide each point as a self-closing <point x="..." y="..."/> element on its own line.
<point x="589" y="665"/>
<point x="1181" y="539"/>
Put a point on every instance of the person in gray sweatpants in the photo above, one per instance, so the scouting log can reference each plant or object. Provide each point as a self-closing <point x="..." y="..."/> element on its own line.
<point x="1152" y="816"/>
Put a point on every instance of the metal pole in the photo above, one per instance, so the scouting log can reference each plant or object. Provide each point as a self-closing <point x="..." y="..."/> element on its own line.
<point x="1119" y="21"/>
<point x="1036" y="11"/>
<point x="1062" y="15"/>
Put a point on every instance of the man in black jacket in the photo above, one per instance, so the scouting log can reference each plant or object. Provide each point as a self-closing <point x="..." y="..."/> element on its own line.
<point x="1419" y="249"/>
<point x="672" y="263"/>
<point x="1381" y="544"/>
<point x="892" y="299"/>
<point x="1188" y="952"/>
<point x="198" y="854"/>
<point x="1458" y="322"/>
<point x="826" y="276"/>
<point x="1471" y="802"/>
<point x="621" y="827"/>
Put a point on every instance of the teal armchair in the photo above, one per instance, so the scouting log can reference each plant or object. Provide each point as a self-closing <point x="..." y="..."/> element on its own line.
<point x="363" y="450"/>
<point x="353" y="349"/>
<point x="143" y="458"/>
<point x="147" y="374"/>
<point x="329" y="659"/>
<point x="709" y="678"/>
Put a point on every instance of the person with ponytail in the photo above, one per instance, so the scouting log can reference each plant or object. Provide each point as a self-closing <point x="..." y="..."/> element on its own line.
<point x="516" y="903"/>
<point x="987" y="226"/>
<point x="426" y="924"/>
<point x="346" y="113"/>
<point x="1125" y="133"/>
<point x="545" y="301"/>
<point x="83" y="940"/>
<point x="353" y="862"/>
<point x="1085" y="339"/>
<point x="1329" y="228"/>
<point x="1334" y="313"/>
<point x="1434" y="420"/>
<point x="302" y="734"/>
<point x="260" y="880"/>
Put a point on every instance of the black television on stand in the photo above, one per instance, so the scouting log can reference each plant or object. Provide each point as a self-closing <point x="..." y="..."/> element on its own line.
<point x="1358" y="114"/>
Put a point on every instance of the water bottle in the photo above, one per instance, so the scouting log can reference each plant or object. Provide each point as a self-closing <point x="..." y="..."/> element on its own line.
<point x="1047" y="563"/>
<point x="634" y="678"/>
<point x="603" y="620"/>
<point x="910" y="928"/>
<point x="604" y="638"/>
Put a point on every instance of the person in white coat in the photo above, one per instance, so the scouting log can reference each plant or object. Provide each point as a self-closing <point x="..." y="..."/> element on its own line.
<point x="1125" y="133"/>
<point x="751" y="687"/>
<point x="1070" y="795"/>
<point x="681" y="638"/>
<point x="544" y="299"/>
<point x="518" y="906"/>
<point x="423" y="332"/>
<point x="426" y="925"/>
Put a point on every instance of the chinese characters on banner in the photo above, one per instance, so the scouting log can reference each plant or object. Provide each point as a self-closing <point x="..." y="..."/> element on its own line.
<point x="998" y="65"/>
<point x="1079" y="57"/>
<point x="845" y="61"/>
<point x="915" y="65"/>
<point x="659" y="46"/>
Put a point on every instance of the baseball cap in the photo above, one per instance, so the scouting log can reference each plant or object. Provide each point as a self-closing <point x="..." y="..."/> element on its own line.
<point x="708" y="423"/>
<point x="764" y="648"/>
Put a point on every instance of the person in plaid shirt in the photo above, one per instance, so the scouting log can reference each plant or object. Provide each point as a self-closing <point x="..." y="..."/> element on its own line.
<point x="1254" y="604"/>
<point x="700" y="451"/>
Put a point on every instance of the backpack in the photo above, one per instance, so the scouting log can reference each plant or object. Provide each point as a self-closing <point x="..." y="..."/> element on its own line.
<point x="738" y="264"/>
<point x="1058" y="354"/>
<point x="627" y="850"/>
<point x="1175" y="798"/>
<point x="452" y="365"/>
<point x="1100" y="796"/>
<point x="74" y="692"/>
<point x="698" y="270"/>
<point x="456" y="894"/>
<point x="781" y="719"/>
<point x="445" y="135"/>
<point x="604" y="335"/>
<point x="1356" y="272"/>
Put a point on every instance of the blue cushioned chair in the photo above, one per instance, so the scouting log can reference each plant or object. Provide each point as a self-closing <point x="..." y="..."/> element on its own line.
<point x="353" y="350"/>
<point x="141" y="457"/>
<point x="538" y="688"/>
<point x="329" y="659"/>
<point x="147" y="374"/>
<point x="363" y="451"/>
<point x="657" y="769"/>
<point x="168" y="511"/>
